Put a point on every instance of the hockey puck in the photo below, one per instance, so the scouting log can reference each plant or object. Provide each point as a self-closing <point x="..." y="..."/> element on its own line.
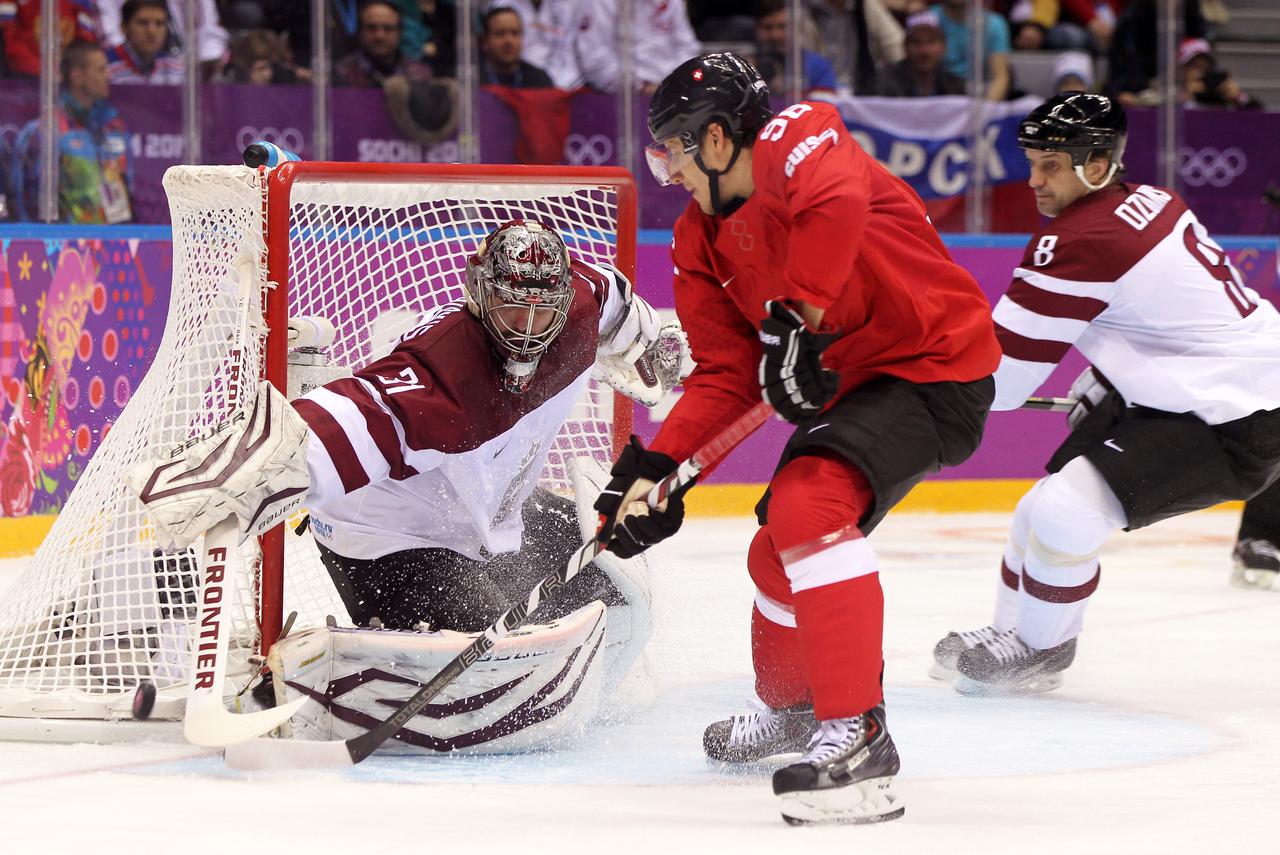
<point x="143" y="700"/>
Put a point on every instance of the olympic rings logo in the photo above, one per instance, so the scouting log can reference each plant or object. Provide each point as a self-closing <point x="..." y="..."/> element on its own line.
<point x="583" y="150"/>
<point x="1212" y="167"/>
<point x="289" y="139"/>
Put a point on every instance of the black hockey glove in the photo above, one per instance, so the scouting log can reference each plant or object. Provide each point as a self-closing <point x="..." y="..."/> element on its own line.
<point x="792" y="378"/>
<point x="631" y="535"/>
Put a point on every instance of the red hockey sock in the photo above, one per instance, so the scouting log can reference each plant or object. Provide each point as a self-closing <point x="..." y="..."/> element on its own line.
<point x="841" y="628"/>
<point x="780" y="671"/>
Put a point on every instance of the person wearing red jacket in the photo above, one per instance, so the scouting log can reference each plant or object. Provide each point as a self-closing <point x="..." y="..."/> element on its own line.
<point x="808" y="274"/>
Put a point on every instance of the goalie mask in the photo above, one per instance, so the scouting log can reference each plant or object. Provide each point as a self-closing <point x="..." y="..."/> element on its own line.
<point x="518" y="285"/>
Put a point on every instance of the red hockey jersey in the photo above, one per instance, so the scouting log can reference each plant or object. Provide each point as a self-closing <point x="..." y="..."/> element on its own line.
<point x="829" y="225"/>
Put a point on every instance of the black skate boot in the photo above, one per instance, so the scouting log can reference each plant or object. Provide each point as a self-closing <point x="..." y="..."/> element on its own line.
<point x="1257" y="564"/>
<point x="1006" y="665"/>
<point x="760" y="735"/>
<point x="948" y="650"/>
<point x="846" y="777"/>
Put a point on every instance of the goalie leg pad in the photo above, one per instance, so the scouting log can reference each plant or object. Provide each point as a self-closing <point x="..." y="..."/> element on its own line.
<point x="538" y="687"/>
<point x="631" y="621"/>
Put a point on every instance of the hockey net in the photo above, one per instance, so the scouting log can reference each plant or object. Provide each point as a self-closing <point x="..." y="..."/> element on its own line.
<point x="365" y="246"/>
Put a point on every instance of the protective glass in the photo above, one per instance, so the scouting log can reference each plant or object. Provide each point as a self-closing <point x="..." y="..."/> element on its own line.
<point x="668" y="157"/>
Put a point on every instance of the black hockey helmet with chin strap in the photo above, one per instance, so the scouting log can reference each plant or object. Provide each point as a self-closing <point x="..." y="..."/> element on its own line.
<point x="714" y="87"/>
<point x="1080" y="125"/>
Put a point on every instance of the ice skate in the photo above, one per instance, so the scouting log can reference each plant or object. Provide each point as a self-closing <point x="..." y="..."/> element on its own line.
<point x="948" y="650"/>
<point x="1257" y="564"/>
<point x="761" y="735"/>
<point x="1005" y="665"/>
<point x="846" y="777"/>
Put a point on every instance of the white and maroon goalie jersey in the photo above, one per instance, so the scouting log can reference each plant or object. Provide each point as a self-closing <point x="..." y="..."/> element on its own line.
<point x="423" y="448"/>
<point x="1130" y="277"/>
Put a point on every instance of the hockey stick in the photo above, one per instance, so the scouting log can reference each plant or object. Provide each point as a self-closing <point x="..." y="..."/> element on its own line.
<point x="207" y="721"/>
<point x="295" y="754"/>
<point x="1052" y="405"/>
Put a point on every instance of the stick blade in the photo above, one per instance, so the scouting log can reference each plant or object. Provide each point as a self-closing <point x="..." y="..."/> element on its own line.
<point x="214" y="726"/>
<point x="261" y="754"/>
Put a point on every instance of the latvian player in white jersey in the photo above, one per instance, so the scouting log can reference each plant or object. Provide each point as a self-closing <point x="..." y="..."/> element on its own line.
<point x="420" y="474"/>
<point x="1180" y="409"/>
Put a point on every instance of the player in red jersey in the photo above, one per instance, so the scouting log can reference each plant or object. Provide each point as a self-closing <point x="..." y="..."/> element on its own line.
<point x="1179" y="410"/>
<point x="807" y="273"/>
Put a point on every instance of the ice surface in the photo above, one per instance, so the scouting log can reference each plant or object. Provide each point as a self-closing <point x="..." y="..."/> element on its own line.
<point x="1164" y="738"/>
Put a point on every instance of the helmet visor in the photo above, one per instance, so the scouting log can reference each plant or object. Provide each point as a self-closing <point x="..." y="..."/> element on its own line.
<point x="668" y="157"/>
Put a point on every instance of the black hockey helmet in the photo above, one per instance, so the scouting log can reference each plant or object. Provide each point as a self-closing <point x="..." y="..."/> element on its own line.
<point x="714" y="87"/>
<point x="1077" y="123"/>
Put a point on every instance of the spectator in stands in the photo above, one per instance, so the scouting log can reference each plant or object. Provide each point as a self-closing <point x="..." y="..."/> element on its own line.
<point x="93" y="147"/>
<point x="954" y="16"/>
<point x="1081" y="25"/>
<point x="501" y="42"/>
<point x="1073" y="72"/>
<point x="261" y="58"/>
<point x="20" y="21"/>
<point x="1204" y="84"/>
<point x="771" y="54"/>
<point x="1134" y="55"/>
<point x="861" y="40"/>
<point x="210" y="39"/>
<point x="576" y="41"/>
<point x="377" y="55"/>
<point x="143" y="58"/>
<point x="921" y="74"/>
<point x="430" y="34"/>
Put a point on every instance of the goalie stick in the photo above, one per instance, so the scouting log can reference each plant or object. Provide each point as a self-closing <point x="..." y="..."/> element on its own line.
<point x="207" y="721"/>
<point x="266" y="753"/>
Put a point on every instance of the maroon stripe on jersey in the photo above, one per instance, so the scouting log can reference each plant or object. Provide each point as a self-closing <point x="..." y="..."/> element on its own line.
<point x="335" y="442"/>
<point x="598" y="281"/>
<point x="1059" y="594"/>
<point x="1017" y="346"/>
<point x="380" y="425"/>
<point x="1007" y="576"/>
<point x="1053" y="305"/>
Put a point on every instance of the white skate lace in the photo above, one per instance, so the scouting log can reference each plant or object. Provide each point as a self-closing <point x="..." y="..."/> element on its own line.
<point x="974" y="637"/>
<point x="1007" y="647"/>
<point x="834" y="736"/>
<point x="759" y="724"/>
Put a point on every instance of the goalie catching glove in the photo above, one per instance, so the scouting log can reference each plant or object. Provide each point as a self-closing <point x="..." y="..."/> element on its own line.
<point x="640" y="356"/>
<point x="628" y="526"/>
<point x="792" y="379"/>
<point x="252" y="465"/>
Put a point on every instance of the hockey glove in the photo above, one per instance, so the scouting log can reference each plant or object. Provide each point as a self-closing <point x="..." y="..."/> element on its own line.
<point x="792" y="378"/>
<point x="1087" y="390"/>
<point x="626" y="530"/>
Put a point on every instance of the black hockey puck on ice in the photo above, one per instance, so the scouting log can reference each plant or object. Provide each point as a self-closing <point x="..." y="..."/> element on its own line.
<point x="143" y="700"/>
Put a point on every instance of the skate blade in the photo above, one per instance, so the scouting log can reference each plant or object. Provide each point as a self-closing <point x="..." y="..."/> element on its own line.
<point x="1035" y="686"/>
<point x="1257" y="580"/>
<point x="872" y="800"/>
<point x="938" y="671"/>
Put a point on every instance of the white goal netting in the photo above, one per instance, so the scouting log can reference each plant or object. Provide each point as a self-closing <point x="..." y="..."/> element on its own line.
<point x="100" y="608"/>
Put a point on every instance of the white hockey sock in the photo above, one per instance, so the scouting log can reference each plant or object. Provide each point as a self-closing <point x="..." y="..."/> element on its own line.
<point x="1070" y="516"/>
<point x="1009" y="582"/>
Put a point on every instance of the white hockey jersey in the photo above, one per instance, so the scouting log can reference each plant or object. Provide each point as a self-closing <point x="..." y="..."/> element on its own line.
<point x="422" y="448"/>
<point x="576" y="41"/>
<point x="1130" y="277"/>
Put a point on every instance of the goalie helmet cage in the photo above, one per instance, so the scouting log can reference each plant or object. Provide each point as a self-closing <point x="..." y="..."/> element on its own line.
<point x="367" y="247"/>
